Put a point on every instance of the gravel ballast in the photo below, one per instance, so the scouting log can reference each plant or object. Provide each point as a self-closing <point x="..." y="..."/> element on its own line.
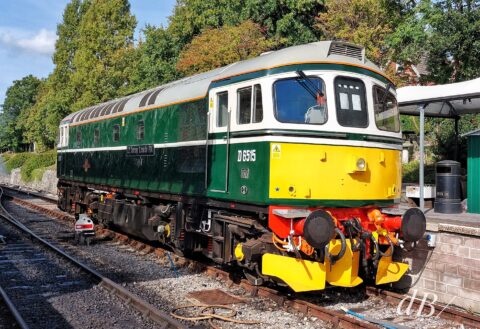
<point x="153" y="279"/>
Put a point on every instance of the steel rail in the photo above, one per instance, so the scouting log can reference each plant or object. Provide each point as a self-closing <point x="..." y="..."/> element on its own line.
<point x="35" y="194"/>
<point x="11" y="307"/>
<point x="448" y="312"/>
<point x="137" y="303"/>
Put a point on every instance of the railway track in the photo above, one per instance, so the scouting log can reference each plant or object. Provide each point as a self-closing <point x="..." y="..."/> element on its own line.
<point x="300" y="304"/>
<point x="39" y="280"/>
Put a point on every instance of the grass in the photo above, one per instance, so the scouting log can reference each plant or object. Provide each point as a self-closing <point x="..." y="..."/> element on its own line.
<point x="32" y="165"/>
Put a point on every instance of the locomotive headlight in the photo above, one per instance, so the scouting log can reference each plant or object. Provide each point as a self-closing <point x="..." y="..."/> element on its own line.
<point x="361" y="164"/>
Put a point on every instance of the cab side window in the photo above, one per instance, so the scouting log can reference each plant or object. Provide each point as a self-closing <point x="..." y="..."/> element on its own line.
<point x="116" y="133"/>
<point x="140" y="130"/>
<point x="350" y="102"/>
<point x="244" y="101"/>
<point x="96" y="136"/>
<point x="79" y="137"/>
<point x="222" y="109"/>
<point x="250" y="105"/>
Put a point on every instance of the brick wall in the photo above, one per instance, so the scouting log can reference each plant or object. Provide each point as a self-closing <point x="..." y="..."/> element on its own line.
<point x="450" y="269"/>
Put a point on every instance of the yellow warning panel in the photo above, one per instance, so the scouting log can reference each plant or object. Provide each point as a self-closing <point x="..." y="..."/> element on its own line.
<point x="299" y="274"/>
<point x="334" y="172"/>
<point x="276" y="151"/>
<point x="344" y="273"/>
<point x="389" y="271"/>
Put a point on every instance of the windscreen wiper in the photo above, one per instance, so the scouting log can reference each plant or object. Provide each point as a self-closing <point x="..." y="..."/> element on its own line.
<point x="308" y="84"/>
<point x="384" y="99"/>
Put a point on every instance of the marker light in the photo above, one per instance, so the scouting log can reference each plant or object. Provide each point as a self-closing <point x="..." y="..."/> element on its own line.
<point x="361" y="164"/>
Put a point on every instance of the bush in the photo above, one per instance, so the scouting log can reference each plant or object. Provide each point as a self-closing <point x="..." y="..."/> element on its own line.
<point x="36" y="163"/>
<point x="37" y="174"/>
<point x="6" y="156"/>
<point x="410" y="172"/>
<point x="17" y="160"/>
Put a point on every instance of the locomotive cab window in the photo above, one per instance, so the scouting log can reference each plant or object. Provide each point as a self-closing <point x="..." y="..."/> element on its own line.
<point x="65" y="136"/>
<point x="250" y="105"/>
<point x="140" y="130"/>
<point x="386" y="110"/>
<point x="222" y="109"/>
<point x="300" y="100"/>
<point x="350" y="101"/>
<point x="116" y="133"/>
<point x="96" y="136"/>
<point x="79" y="137"/>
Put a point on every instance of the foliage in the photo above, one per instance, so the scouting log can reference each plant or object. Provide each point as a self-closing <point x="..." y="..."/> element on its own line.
<point x="410" y="172"/>
<point x="191" y="17"/>
<point x="96" y="58"/>
<point x="441" y="133"/>
<point x="102" y="64"/>
<point x="37" y="174"/>
<point x="6" y="156"/>
<point x="156" y="59"/>
<point x="362" y="22"/>
<point x="20" y="97"/>
<point x="37" y="162"/>
<point x="218" y="47"/>
<point x="410" y="123"/>
<point x="17" y="160"/>
<point x="94" y="61"/>
<point x="286" y="22"/>
<point x="32" y="165"/>
<point x="448" y="32"/>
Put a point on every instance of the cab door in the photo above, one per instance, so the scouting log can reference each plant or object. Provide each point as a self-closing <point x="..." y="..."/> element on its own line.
<point x="218" y="141"/>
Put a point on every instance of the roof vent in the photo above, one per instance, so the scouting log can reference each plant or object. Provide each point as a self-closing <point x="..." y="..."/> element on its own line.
<point x="347" y="49"/>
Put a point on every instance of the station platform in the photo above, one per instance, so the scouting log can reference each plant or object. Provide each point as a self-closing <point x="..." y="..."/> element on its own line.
<point x="463" y="223"/>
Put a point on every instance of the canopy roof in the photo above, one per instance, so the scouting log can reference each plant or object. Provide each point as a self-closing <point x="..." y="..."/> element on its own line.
<point x="450" y="100"/>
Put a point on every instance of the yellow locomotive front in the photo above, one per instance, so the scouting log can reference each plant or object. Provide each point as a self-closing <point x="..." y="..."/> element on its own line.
<point x="334" y="179"/>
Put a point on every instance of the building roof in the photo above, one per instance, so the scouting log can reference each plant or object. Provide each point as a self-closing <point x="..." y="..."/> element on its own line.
<point x="449" y="100"/>
<point x="475" y="132"/>
<point x="196" y="87"/>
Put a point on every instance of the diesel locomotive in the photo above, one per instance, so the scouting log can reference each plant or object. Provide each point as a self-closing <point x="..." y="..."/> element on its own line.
<point x="286" y="165"/>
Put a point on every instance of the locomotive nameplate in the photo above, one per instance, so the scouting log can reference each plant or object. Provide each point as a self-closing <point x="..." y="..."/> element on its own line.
<point x="140" y="150"/>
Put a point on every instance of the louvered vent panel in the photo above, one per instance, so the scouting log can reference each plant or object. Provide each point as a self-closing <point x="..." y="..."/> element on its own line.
<point x="346" y="50"/>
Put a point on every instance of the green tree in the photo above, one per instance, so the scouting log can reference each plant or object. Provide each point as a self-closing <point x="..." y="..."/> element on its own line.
<point x="57" y="94"/>
<point x="190" y="17"/>
<point x="20" y="97"/>
<point x="102" y="62"/>
<point x="287" y="22"/>
<point x="447" y="32"/>
<point x="218" y="47"/>
<point x="156" y="59"/>
<point x="363" y="22"/>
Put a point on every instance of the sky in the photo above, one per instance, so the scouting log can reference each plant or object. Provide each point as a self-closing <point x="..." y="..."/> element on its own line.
<point x="28" y="34"/>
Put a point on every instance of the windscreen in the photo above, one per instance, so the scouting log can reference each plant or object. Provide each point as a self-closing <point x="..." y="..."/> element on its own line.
<point x="299" y="100"/>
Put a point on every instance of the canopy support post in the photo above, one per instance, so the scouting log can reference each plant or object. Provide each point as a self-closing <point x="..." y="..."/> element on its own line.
<point x="456" y="137"/>
<point x="422" y="157"/>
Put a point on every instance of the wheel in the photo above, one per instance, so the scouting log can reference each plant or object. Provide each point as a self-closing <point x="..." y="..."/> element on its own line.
<point x="88" y="240"/>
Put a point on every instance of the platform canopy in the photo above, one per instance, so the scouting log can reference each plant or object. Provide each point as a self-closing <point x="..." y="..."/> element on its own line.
<point x="445" y="101"/>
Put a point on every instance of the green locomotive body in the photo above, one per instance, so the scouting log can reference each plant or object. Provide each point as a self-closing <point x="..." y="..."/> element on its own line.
<point x="249" y="163"/>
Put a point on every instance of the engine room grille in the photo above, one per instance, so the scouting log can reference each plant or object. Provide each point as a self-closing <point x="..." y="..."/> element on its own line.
<point x="345" y="49"/>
